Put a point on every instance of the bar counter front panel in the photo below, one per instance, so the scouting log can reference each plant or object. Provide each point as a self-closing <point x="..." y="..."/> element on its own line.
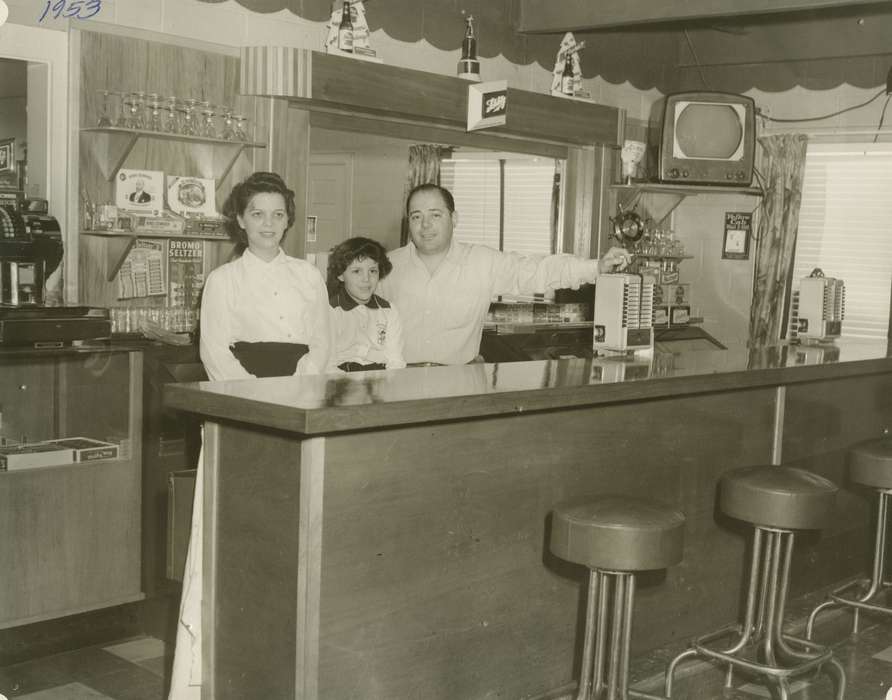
<point x="401" y="550"/>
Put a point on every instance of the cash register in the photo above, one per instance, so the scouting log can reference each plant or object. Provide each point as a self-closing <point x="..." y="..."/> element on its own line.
<point x="30" y="250"/>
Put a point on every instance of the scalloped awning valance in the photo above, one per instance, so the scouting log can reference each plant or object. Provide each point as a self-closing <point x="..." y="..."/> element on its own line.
<point x="812" y="50"/>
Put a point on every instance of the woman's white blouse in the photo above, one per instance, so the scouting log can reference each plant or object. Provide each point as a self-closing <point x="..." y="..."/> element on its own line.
<point x="247" y="299"/>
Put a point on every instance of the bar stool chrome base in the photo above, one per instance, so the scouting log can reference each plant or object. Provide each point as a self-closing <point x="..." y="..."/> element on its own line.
<point x="604" y="676"/>
<point x="864" y="593"/>
<point x="762" y="647"/>
<point x="613" y="537"/>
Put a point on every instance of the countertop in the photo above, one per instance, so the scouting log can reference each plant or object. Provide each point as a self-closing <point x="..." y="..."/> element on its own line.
<point x="322" y="404"/>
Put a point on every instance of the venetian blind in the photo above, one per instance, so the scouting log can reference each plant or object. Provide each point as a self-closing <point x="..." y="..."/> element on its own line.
<point x="844" y="229"/>
<point x="525" y="220"/>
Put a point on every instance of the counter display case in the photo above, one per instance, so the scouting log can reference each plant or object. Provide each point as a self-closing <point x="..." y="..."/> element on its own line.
<point x="71" y="527"/>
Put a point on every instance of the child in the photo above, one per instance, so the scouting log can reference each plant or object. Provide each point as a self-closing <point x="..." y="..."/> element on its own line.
<point x="366" y="329"/>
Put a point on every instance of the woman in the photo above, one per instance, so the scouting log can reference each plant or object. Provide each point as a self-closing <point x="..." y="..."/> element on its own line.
<point x="263" y="314"/>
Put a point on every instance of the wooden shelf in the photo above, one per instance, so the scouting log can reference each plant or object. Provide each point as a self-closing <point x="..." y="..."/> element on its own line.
<point x="120" y="242"/>
<point x="122" y="141"/>
<point x="649" y="256"/>
<point x="154" y="234"/>
<point x="685" y="190"/>
<point x="659" y="199"/>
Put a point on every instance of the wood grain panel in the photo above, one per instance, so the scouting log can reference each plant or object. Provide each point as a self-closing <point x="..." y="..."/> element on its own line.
<point x="257" y="522"/>
<point x="122" y="63"/>
<point x="72" y="533"/>
<point x="439" y="99"/>
<point x="436" y="579"/>
<point x="424" y="132"/>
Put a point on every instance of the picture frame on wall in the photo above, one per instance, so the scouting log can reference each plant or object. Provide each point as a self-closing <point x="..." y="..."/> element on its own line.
<point x="7" y="155"/>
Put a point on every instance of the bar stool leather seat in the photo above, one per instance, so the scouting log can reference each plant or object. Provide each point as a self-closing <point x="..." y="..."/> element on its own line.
<point x="776" y="500"/>
<point x="870" y="463"/>
<point x="614" y="536"/>
<point x="618" y="533"/>
<point x="781" y="497"/>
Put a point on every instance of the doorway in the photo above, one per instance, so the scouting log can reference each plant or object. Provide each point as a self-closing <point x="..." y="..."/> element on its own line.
<point x="330" y="200"/>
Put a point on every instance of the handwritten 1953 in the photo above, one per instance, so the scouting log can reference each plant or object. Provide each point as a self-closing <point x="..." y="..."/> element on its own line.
<point x="71" y="9"/>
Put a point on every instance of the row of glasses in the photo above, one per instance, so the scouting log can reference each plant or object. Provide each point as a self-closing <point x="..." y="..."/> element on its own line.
<point x="132" y="319"/>
<point x="187" y="116"/>
<point x="658" y="242"/>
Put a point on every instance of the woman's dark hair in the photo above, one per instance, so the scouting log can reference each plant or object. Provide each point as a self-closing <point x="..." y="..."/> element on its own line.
<point x="431" y="187"/>
<point x="242" y="194"/>
<point x="359" y="248"/>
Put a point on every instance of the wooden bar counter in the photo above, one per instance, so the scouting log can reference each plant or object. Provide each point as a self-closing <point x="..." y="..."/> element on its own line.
<point x="384" y="535"/>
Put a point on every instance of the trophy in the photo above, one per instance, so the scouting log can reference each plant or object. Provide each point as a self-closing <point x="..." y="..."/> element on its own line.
<point x="631" y="154"/>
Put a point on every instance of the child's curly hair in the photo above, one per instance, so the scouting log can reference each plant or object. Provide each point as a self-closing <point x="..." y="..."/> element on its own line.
<point x="358" y="248"/>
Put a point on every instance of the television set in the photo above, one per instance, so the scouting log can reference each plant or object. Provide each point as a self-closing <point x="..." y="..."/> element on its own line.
<point x="707" y="138"/>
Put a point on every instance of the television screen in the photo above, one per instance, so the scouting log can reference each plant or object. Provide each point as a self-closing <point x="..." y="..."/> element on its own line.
<point x="723" y="140"/>
<point x="707" y="138"/>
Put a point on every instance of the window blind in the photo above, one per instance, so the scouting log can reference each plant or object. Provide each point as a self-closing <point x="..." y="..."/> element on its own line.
<point x="476" y="184"/>
<point x="845" y="228"/>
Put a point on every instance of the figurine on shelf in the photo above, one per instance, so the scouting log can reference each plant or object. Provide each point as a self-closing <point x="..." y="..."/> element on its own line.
<point x="567" y="75"/>
<point x="348" y="34"/>
<point x="468" y="65"/>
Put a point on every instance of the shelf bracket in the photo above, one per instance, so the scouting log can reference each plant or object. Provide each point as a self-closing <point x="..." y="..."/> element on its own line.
<point x="128" y="145"/>
<point x="228" y="167"/>
<point x="116" y="252"/>
<point x="654" y="205"/>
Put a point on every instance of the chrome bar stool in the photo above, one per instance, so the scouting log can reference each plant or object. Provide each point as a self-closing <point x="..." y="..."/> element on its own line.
<point x="870" y="464"/>
<point x="614" y="536"/>
<point x="777" y="501"/>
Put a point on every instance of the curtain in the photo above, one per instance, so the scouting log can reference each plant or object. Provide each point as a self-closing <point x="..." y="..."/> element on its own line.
<point x="782" y="166"/>
<point x="424" y="167"/>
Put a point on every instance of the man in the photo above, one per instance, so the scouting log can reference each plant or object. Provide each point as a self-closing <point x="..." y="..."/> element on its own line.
<point x="442" y="288"/>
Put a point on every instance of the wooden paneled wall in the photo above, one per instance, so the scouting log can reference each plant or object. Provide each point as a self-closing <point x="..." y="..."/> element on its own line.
<point x="119" y="63"/>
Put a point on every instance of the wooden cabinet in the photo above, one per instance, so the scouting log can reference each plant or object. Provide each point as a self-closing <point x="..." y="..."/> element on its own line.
<point x="71" y="533"/>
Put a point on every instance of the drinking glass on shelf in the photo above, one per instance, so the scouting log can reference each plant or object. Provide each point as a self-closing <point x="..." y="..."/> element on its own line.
<point x="170" y="110"/>
<point x="154" y="116"/>
<point x="105" y="119"/>
<point x="241" y="127"/>
<point x="133" y="105"/>
<point x="188" y="127"/>
<point x="139" y="110"/>
<point x="228" y="132"/>
<point x="207" y="120"/>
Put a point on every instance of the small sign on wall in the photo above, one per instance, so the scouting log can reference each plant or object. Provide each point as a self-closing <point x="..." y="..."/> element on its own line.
<point x="738" y="231"/>
<point x="311" y="229"/>
<point x="487" y="104"/>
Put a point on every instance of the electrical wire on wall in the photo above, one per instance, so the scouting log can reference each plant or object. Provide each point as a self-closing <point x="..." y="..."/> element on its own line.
<point x="822" y="116"/>
<point x="793" y="120"/>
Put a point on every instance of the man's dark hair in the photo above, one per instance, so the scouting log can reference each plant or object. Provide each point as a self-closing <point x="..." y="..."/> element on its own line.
<point x="431" y="187"/>
<point x="359" y="248"/>
<point x="242" y="194"/>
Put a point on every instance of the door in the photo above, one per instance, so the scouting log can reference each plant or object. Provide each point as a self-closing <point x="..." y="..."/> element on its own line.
<point x="330" y="200"/>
